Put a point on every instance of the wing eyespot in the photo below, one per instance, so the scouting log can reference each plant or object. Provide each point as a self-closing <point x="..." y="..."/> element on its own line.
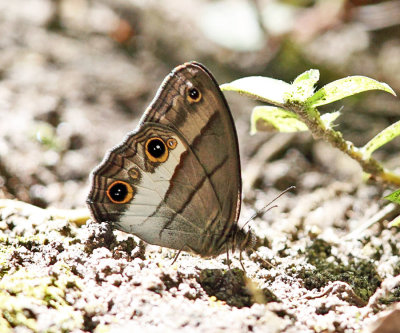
<point x="134" y="173"/>
<point x="156" y="150"/>
<point x="193" y="95"/>
<point x="120" y="192"/>
<point x="171" y="143"/>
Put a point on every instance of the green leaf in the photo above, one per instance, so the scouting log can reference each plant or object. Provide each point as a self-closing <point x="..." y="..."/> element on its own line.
<point x="394" y="197"/>
<point x="348" y="86"/>
<point x="303" y="85"/>
<point x="274" y="119"/>
<point x="387" y="135"/>
<point x="310" y="77"/>
<point x="262" y="88"/>
<point x="395" y="222"/>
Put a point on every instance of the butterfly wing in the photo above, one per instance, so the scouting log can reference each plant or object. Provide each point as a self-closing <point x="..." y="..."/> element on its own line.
<point x="190" y="200"/>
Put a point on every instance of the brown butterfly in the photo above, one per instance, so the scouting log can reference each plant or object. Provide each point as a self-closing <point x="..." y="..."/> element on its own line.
<point x="175" y="180"/>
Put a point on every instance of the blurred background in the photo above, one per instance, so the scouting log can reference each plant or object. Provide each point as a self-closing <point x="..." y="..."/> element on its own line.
<point x="76" y="75"/>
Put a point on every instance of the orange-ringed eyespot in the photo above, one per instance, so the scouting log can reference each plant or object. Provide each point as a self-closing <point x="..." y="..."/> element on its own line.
<point x="120" y="192"/>
<point x="171" y="143"/>
<point x="133" y="173"/>
<point x="156" y="150"/>
<point x="193" y="95"/>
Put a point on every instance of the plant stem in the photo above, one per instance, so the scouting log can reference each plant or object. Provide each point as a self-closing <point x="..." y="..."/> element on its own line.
<point x="310" y="116"/>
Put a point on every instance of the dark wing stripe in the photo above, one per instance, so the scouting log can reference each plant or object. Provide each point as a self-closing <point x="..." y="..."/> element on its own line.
<point x="196" y="188"/>
<point x="197" y="141"/>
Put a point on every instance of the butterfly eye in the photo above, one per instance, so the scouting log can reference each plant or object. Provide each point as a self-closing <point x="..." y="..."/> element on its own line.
<point x="171" y="143"/>
<point x="156" y="150"/>
<point x="120" y="192"/>
<point x="193" y="95"/>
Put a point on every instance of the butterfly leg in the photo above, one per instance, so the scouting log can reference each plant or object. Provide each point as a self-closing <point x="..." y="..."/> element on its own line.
<point x="227" y="257"/>
<point x="263" y="260"/>
<point x="176" y="256"/>
<point x="179" y="252"/>
<point x="241" y="262"/>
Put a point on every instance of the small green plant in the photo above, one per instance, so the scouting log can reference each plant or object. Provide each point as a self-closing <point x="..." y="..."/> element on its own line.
<point x="294" y="107"/>
<point x="394" y="197"/>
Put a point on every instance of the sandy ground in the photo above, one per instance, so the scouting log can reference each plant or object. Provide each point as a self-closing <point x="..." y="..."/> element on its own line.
<point x="75" y="76"/>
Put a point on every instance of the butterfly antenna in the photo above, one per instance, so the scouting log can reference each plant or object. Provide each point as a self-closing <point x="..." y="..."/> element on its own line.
<point x="259" y="213"/>
<point x="267" y="207"/>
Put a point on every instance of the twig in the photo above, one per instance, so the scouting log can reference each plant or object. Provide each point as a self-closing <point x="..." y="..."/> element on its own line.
<point x="378" y="217"/>
<point x="319" y="131"/>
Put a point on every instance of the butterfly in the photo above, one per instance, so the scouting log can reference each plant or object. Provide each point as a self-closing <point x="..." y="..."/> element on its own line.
<point x="175" y="180"/>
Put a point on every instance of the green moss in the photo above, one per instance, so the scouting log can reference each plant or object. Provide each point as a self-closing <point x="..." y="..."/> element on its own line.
<point x="233" y="287"/>
<point x="396" y="269"/>
<point x="360" y="274"/>
<point x="5" y="254"/>
<point x="25" y="293"/>
<point x="9" y="249"/>
<point x="393" y="297"/>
